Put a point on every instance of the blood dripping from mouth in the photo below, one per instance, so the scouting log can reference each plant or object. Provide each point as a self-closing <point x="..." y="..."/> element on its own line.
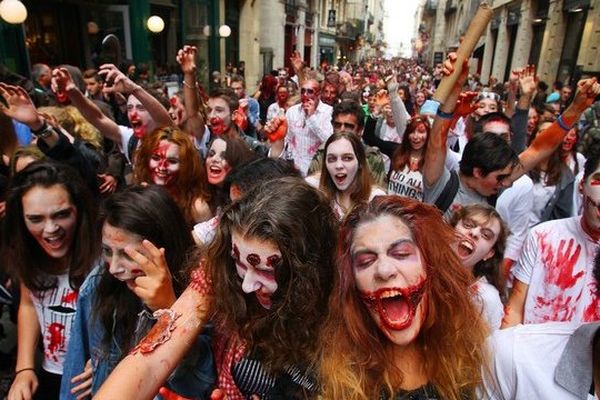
<point x="412" y="295"/>
<point x="217" y="126"/>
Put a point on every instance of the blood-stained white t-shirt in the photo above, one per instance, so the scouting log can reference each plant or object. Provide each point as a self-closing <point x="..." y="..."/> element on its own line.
<point x="55" y="309"/>
<point x="557" y="263"/>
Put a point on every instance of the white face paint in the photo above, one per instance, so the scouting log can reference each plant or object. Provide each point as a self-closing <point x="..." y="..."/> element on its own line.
<point x="217" y="166"/>
<point x="255" y="263"/>
<point x="390" y="277"/>
<point x="591" y="203"/>
<point x="164" y="163"/>
<point x="341" y="163"/>
<point x="476" y="239"/>
<point x="118" y="262"/>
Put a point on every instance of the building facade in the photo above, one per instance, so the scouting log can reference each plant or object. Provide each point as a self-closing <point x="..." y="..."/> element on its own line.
<point x="560" y="37"/>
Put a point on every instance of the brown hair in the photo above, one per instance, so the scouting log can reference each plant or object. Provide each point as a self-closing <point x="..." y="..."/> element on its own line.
<point x="361" y="187"/>
<point x="298" y="219"/>
<point x="357" y="359"/>
<point x="191" y="182"/>
<point x="401" y="155"/>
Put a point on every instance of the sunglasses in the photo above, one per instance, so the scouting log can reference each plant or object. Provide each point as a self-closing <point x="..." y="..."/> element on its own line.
<point x="310" y="91"/>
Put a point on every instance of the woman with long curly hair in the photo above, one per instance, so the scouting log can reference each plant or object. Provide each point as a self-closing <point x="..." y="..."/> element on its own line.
<point x="345" y="177"/>
<point x="167" y="157"/>
<point x="406" y="177"/>
<point x="401" y="323"/>
<point x="265" y="281"/>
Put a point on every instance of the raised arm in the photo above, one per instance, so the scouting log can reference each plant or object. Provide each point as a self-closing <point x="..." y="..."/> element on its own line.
<point x="435" y="153"/>
<point x="527" y="85"/>
<point x="90" y="111"/>
<point x="399" y="112"/>
<point x="121" y="83"/>
<point x="186" y="57"/>
<point x="298" y="65"/>
<point x="145" y="370"/>
<point x="547" y="141"/>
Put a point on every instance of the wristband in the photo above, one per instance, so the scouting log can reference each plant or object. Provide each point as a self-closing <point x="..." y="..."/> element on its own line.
<point x="24" y="369"/>
<point x="444" y="115"/>
<point x="562" y="124"/>
<point x="189" y="85"/>
<point x="45" y="131"/>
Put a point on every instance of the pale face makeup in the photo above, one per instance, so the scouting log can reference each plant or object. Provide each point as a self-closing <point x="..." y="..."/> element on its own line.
<point x="476" y="238"/>
<point x="119" y="264"/>
<point x="390" y="277"/>
<point x="255" y="262"/>
<point x="569" y="141"/>
<point x="164" y="163"/>
<point x="217" y="166"/>
<point x="51" y="218"/>
<point x="341" y="163"/>
<point x="591" y="203"/>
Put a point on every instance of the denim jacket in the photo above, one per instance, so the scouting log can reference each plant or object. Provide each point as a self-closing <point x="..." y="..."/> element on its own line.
<point x="86" y="343"/>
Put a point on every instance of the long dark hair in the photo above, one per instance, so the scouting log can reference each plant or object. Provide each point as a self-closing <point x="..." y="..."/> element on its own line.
<point x="27" y="258"/>
<point x="299" y="220"/>
<point x="151" y="213"/>
<point x="401" y="155"/>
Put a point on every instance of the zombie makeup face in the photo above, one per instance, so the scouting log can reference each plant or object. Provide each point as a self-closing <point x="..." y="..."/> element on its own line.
<point x="139" y="118"/>
<point x="476" y="238"/>
<point x="417" y="137"/>
<point x="419" y="98"/>
<point x="532" y="120"/>
<point x="177" y="111"/>
<point x="490" y="184"/>
<point x="255" y="263"/>
<point x="217" y="166"/>
<point x="569" y="141"/>
<point x="591" y="203"/>
<point x="119" y="264"/>
<point x="282" y="95"/>
<point x="164" y="163"/>
<point x="51" y="218"/>
<point x="390" y="277"/>
<point x="341" y="163"/>
<point x="219" y="115"/>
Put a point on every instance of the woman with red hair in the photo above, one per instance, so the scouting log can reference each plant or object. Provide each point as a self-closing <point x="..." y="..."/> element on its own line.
<point x="167" y="158"/>
<point x="401" y="322"/>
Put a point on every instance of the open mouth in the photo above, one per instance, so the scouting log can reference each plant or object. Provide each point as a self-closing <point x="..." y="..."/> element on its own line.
<point x="55" y="241"/>
<point x="138" y="128"/>
<point x="340" y="178"/>
<point x="465" y="248"/>
<point x="396" y="306"/>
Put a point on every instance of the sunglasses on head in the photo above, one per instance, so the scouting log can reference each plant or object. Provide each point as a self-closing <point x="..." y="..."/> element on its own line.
<point x="488" y="95"/>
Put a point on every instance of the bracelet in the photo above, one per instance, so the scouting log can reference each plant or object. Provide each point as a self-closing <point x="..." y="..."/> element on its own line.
<point x="42" y="129"/>
<point x="24" y="369"/>
<point x="562" y="124"/>
<point x="444" y="115"/>
<point x="188" y="85"/>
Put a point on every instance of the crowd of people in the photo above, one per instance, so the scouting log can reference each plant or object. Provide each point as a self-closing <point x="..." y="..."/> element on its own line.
<point x="337" y="234"/>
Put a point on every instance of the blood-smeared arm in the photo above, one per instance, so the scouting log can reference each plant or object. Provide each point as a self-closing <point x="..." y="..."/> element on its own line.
<point x="141" y="374"/>
<point x="514" y="310"/>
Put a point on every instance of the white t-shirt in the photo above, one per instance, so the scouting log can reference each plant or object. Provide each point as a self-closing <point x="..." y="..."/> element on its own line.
<point x="541" y="195"/>
<point x="406" y="183"/>
<point x="389" y="133"/>
<point x="514" y="205"/>
<point x="524" y="359"/>
<point x="55" y="309"/>
<point x="487" y="299"/>
<point x="126" y="134"/>
<point x="557" y="262"/>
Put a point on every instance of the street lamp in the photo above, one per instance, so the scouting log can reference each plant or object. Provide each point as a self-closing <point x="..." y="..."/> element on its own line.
<point x="155" y="24"/>
<point x="224" y="31"/>
<point x="13" y="11"/>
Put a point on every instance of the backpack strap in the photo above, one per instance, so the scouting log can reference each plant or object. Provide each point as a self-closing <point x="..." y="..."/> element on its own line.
<point x="448" y="193"/>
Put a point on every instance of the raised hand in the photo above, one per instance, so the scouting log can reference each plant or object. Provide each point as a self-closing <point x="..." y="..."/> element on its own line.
<point x="19" y="106"/>
<point x="84" y="389"/>
<point x="108" y="185"/>
<point x="297" y="61"/>
<point x="115" y="78"/>
<point x="465" y="105"/>
<point x="528" y="80"/>
<point x="186" y="57"/>
<point x="392" y="83"/>
<point x="155" y="288"/>
<point x="62" y="81"/>
<point x="587" y="90"/>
